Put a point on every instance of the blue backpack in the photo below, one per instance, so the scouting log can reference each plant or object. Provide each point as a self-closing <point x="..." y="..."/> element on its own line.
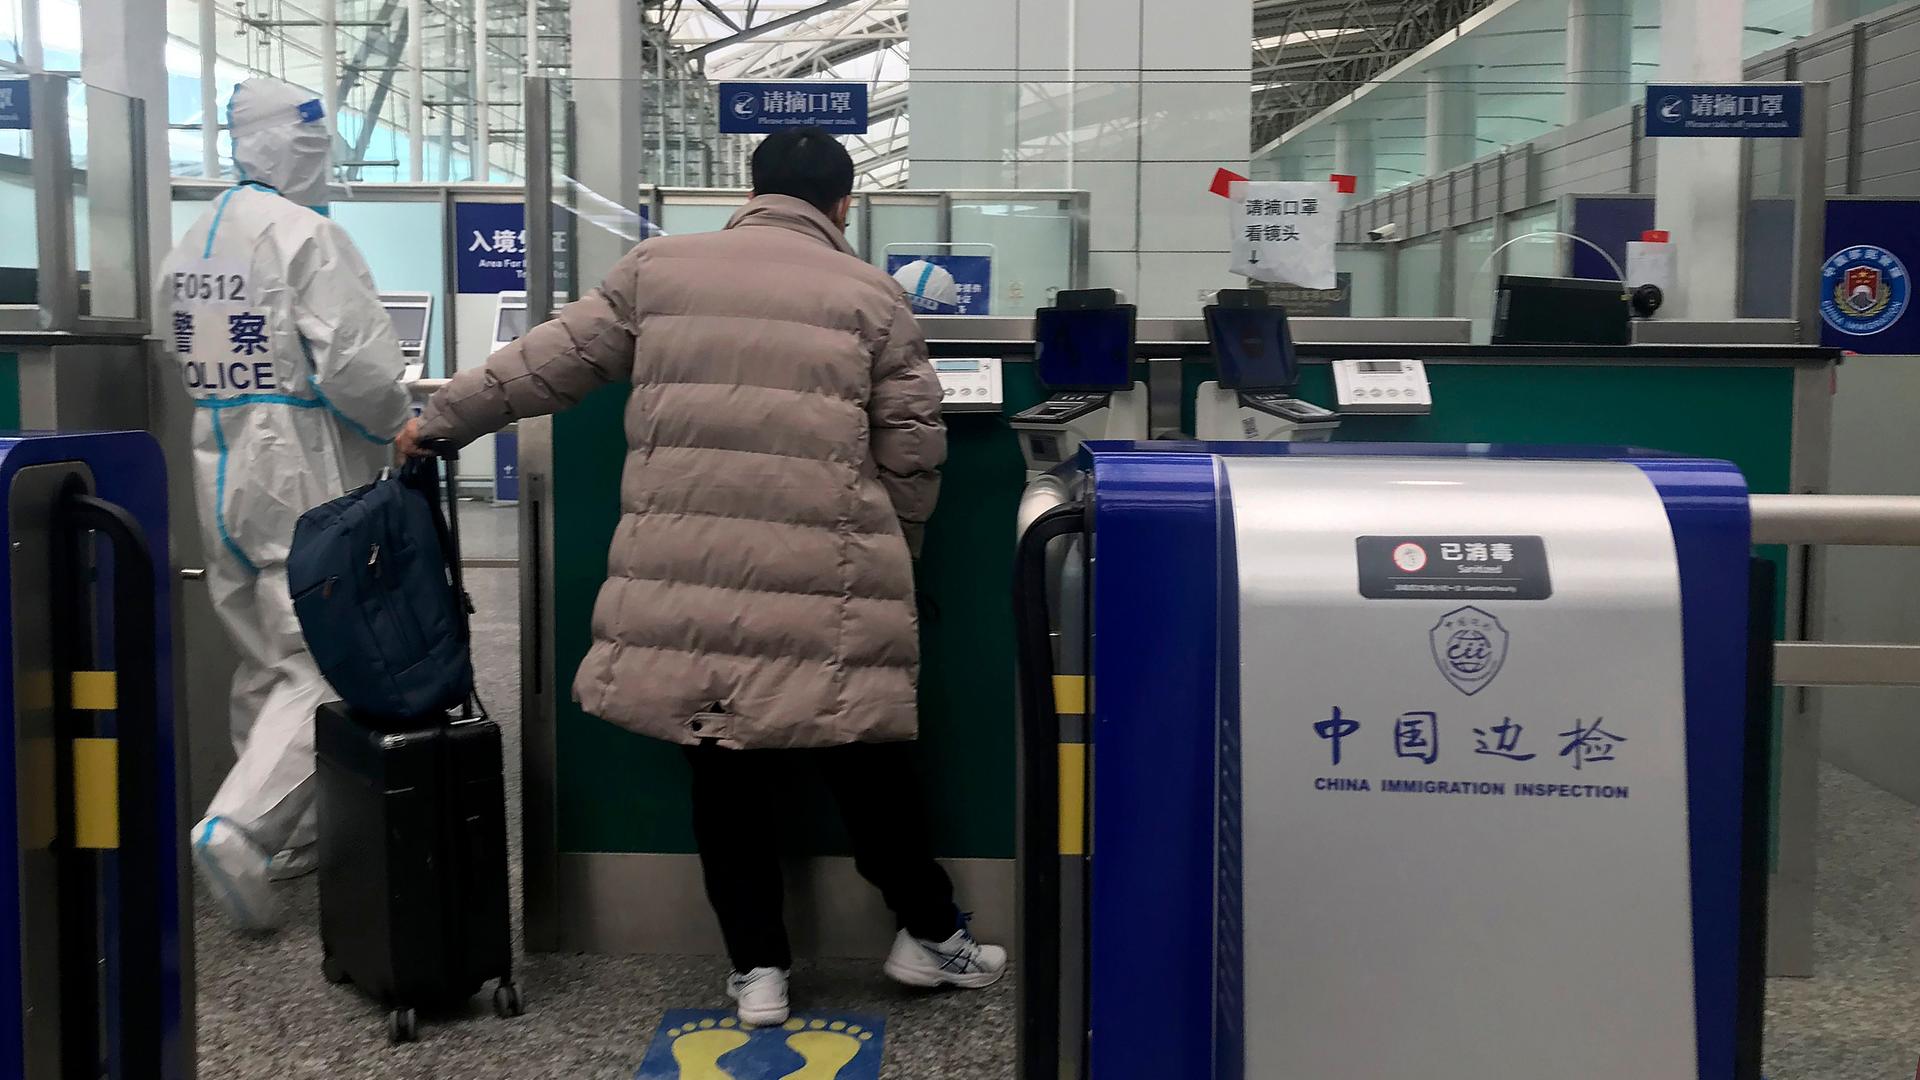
<point x="375" y="578"/>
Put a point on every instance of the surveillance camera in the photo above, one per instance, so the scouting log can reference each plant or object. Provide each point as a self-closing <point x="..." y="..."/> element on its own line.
<point x="1384" y="232"/>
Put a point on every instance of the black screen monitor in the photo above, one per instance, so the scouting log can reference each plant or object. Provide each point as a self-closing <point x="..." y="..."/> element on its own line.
<point x="511" y="324"/>
<point x="1561" y="311"/>
<point x="1084" y="348"/>
<point x="1253" y="347"/>
<point x="409" y="321"/>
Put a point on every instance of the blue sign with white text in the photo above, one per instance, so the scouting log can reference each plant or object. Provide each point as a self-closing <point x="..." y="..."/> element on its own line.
<point x="1724" y="110"/>
<point x="490" y="247"/>
<point x="16" y="104"/>
<point x="972" y="283"/>
<point x="757" y="108"/>
<point x="1865" y="283"/>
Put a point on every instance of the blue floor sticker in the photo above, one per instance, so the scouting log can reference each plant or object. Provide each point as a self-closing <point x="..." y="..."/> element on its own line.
<point x="710" y="1044"/>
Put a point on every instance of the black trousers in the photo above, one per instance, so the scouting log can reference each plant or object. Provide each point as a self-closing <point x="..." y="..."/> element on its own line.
<point x="737" y="795"/>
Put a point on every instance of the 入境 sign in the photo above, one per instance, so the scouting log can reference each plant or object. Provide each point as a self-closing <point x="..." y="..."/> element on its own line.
<point x="1724" y="110"/>
<point x="753" y="108"/>
<point x="16" y="104"/>
<point x="1283" y="232"/>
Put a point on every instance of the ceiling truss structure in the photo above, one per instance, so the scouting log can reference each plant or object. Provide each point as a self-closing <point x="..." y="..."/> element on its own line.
<point x="1308" y="54"/>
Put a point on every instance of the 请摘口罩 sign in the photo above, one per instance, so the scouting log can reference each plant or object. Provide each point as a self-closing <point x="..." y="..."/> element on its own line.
<point x="756" y="108"/>
<point x="1724" y="110"/>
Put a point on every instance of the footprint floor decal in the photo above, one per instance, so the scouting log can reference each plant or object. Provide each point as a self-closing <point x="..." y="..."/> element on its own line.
<point x="710" y="1044"/>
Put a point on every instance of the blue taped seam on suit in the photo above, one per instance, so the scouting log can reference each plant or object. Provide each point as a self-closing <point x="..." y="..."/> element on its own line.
<point x="218" y="212"/>
<point x="220" y="500"/>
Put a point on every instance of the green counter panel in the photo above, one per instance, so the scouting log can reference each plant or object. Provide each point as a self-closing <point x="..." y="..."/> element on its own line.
<point x="620" y="792"/>
<point x="9" y="391"/>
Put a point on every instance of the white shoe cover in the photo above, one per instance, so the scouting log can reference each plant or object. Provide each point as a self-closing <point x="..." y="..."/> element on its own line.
<point x="294" y="862"/>
<point x="235" y="870"/>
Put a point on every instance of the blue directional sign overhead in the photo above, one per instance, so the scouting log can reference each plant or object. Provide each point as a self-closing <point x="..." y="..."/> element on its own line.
<point x="1724" y="110"/>
<point x="758" y="108"/>
<point x="16" y="104"/>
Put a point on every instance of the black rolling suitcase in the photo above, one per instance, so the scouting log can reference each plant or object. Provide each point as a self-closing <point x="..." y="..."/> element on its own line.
<point x="413" y="862"/>
<point x="413" y="849"/>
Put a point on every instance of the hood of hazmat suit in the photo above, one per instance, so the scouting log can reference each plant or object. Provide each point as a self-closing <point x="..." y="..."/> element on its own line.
<point x="293" y="367"/>
<point x="281" y="139"/>
<point x="930" y="288"/>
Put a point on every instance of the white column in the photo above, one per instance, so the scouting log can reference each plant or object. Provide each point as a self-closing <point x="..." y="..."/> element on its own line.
<point x="416" y="91"/>
<point x="1353" y="155"/>
<point x="1697" y="182"/>
<point x="32" y="56"/>
<point x="1599" y="56"/>
<point x="482" y="144"/>
<point x="124" y="51"/>
<point x="606" y="38"/>
<point x="330" y="63"/>
<point x="209" y="92"/>
<point x="1450" y="119"/>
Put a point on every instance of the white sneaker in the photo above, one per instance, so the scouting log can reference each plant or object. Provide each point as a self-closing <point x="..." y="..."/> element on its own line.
<point x="762" y="994"/>
<point x="235" y="870"/>
<point x="293" y="863"/>
<point x="957" y="961"/>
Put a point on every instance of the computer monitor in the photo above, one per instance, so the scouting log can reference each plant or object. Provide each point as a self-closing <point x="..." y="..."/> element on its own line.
<point x="1084" y="348"/>
<point x="1561" y="311"/>
<point x="409" y="322"/>
<point x="510" y="324"/>
<point x="411" y="313"/>
<point x="1253" y="347"/>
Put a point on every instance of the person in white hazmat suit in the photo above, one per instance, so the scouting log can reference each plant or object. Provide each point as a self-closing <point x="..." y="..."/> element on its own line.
<point x="295" y="371"/>
<point x="930" y="288"/>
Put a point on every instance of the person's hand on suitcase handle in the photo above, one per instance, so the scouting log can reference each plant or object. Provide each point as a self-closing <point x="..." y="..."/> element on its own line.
<point x="411" y="445"/>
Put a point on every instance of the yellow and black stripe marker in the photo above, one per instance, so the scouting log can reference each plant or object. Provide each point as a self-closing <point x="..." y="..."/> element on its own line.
<point x="1070" y="700"/>
<point x="96" y="767"/>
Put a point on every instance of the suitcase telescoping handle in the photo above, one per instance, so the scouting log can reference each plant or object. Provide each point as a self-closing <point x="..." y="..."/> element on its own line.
<point x="132" y="836"/>
<point x="446" y="522"/>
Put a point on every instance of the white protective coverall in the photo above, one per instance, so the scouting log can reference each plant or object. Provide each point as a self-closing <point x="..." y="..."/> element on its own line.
<point x="294" y="368"/>
<point x="930" y="288"/>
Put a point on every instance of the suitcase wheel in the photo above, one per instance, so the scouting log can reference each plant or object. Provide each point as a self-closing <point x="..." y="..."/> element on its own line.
<point x="331" y="970"/>
<point x="507" y="1001"/>
<point x="402" y="1027"/>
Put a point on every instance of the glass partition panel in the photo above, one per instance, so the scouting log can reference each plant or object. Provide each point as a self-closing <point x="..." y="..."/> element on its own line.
<point x="1419" y="275"/>
<point x="1540" y="255"/>
<point x="1367" y="268"/>
<point x="1474" y="277"/>
<point x="108" y="213"/>
<point x="897" y="223"/>
<point x="1030" y="245"/>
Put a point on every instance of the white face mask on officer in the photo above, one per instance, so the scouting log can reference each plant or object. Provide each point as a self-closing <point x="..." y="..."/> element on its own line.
<point x="281" y="139"/>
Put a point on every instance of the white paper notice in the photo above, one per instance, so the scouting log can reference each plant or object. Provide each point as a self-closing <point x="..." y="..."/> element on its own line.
<point x="1283" y="232"/>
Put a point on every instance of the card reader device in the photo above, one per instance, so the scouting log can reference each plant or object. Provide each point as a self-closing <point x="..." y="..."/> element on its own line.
<point x="1382" y="386"/>
<point x="1083" y="355"/>
<point x="969" y="384"/>
<point x="1253" y="400"/>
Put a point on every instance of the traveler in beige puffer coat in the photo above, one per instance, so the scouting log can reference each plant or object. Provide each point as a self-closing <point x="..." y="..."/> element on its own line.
<point x="784" y="440"/>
